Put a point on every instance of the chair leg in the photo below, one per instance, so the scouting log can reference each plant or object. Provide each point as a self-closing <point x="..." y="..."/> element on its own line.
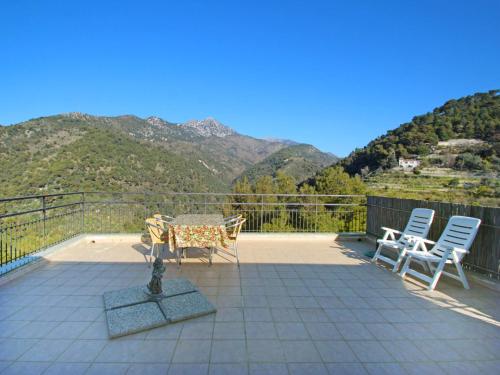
<point x="236" y="252"/>
<point x="401" y="256"/>
<point x="151" y="254"/>
<point x="178" y="254"/>
<point x="210" y="252"/>
<point x="406" y="266"/>
<point x="461" y="274"/>
<point x="377" y="253"/>
<point x="437" y="274"/>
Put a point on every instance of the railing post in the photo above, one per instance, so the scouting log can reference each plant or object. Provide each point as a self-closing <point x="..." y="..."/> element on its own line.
<point x="82" y="204"/>
<point x="315" y="214"/>
<point x="44" y="220"/>
<point x="261" y="212"/>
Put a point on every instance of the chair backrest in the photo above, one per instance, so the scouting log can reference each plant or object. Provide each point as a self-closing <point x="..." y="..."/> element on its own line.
<point x="233" y="217"/>
<point x="233" y="230"/>
<point x="459" y="232"/>
<point x="418" y="225"/>
<point x="160" y="220"/>
<point x="156" y="230"/>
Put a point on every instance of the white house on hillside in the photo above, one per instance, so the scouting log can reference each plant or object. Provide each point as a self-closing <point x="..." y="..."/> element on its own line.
<point x="409" y="163"/>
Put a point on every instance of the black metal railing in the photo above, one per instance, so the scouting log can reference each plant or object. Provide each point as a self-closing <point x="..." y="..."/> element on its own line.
<point x="30" y="224"/>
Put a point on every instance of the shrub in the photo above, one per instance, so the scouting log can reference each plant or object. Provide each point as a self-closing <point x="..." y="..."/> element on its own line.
<point x="469" y="161"/>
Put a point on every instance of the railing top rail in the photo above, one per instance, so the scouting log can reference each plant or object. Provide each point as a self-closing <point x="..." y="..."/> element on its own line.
<point x="26" y="197"/>
<point x="230" y="194"/>
<point x="235" y="203"/>
<point x="10" y="199"/>
<point x="258" y="199"/>
<point x="18" y="213"/>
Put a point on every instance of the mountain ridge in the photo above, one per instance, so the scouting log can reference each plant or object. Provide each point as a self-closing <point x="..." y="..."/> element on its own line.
<point x="204" y="154"/>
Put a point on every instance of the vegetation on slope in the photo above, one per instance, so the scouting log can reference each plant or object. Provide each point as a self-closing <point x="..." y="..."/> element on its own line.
<point x="457" y="187"/>
<point x="218" y="160"/>
<point x="471" y="117"/>
<point x="61" y="157"/>
<point x="298" y="161"/>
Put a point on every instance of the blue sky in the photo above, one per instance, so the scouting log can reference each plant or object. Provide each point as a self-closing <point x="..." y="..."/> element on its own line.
<point x="331" y="73"/>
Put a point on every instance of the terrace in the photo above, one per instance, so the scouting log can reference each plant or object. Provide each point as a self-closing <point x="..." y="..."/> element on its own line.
<point x="300" y="303"/>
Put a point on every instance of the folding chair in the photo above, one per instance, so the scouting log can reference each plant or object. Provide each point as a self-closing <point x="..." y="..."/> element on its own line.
<point x="452" y="246"/>
<point x="417" y="227"/>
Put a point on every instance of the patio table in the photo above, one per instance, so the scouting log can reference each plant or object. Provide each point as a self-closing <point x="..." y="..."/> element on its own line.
<point x="196" y="230"/>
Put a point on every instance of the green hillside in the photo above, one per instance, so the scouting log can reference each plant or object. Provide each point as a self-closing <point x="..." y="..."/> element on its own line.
<point x="471" y="117"/>
<point x="226" y="156"/>
<point x="298" y="161"/>
<point x="43" y="155"/>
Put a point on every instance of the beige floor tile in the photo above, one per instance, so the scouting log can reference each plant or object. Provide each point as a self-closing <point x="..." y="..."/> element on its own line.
<point x="287" y="309"/>
<point x="227" y="351"/>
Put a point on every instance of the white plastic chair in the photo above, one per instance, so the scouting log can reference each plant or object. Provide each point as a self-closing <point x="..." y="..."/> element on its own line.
<point x="452" y="246"/>
<point x="417" y="227"/>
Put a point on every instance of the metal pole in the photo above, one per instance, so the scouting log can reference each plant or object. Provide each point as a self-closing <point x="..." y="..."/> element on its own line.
<point x="261" y="212"/>
<point x="316" y="215"/>
<point x="44" y="220"/>
<point x="82" y="204"/>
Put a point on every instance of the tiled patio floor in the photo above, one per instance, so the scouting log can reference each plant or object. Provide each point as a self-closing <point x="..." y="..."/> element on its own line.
<point x="296" y="306"/>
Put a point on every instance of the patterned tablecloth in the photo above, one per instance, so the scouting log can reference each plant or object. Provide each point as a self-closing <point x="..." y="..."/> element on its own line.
<point x="197" y="231"/>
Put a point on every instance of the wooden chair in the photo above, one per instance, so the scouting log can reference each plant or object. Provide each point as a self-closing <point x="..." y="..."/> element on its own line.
<point x="159" y="235"/>
<point x="164" y="220"/>
<point x="232" y="218"/>
<point x="452" y="246"/>
<point x="417" y="227"/>
<point x="233" y="229"/>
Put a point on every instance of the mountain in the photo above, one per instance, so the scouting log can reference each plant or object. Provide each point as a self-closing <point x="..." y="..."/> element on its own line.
<point x="45" y="156"/>
<point x="300" y="161"/>
<point x="209" y="127"/>
<point x="215" y="146"/>
<point x="77" y="151"/>
<point x="475" y="117"/>
<point x="287" y="142"/>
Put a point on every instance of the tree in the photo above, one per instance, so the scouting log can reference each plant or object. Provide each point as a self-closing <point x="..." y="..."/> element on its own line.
<point x="285" y="184"/>
<point x="468" y="161"/>
<point x="334" y="180"/>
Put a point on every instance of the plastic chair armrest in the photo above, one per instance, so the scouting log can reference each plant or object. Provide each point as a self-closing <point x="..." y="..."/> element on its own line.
<point x="391" y="230"/>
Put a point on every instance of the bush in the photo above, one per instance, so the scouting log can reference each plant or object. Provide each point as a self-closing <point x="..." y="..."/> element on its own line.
<point x="469" y="161"/>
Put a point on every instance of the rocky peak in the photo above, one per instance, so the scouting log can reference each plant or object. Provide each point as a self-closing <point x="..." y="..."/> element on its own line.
<point x="78" y="116"/>
<point x="156" y="121"/>
<point x="209" y="127"/>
